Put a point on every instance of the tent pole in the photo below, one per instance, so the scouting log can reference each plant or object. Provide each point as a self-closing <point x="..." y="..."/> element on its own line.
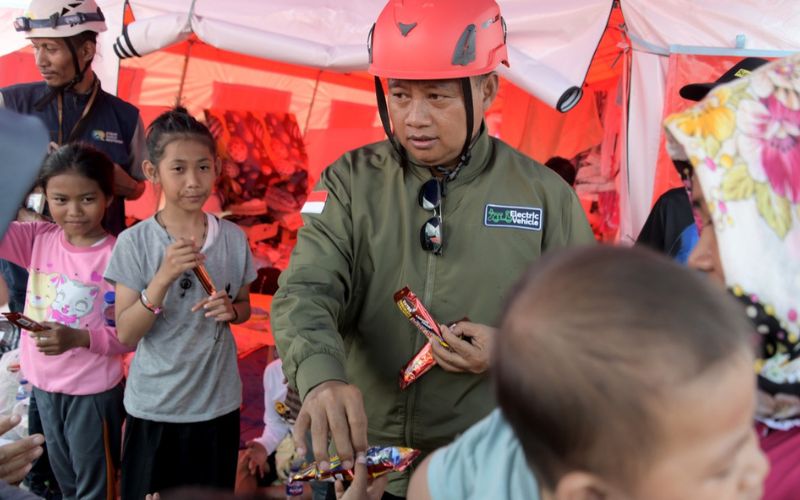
<point x="311" y="104"/>
<point x="183" y="72"/>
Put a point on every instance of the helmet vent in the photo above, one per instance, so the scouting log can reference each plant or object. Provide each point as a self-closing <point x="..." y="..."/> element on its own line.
<point x="465" y="47"/>
<point x="406" y="28"/>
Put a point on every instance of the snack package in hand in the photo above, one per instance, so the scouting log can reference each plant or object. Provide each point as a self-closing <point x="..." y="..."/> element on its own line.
<point x="380" y="460"/>
<point x="24" y="322"/>
<point x="415" y="311"/>
<point x="204" y="278"/>
<point x="418" y="366"/>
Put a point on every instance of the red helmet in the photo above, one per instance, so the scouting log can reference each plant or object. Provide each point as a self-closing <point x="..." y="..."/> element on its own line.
<point x="437" y="39"/>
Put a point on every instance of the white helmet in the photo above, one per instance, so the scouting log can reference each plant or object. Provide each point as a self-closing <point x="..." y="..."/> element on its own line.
<point x="60" y="18"/>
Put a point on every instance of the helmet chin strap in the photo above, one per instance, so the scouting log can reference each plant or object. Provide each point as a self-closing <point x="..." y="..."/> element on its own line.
<point x="464" y="156"/>
<point x="383" y="111"/>
<point x="466" y="150"/>
<point x="79" y="74"/>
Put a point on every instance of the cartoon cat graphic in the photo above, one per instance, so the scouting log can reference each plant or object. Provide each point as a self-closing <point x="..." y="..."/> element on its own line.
<point x="73" y="301"/>
<point x="41" y="294"/>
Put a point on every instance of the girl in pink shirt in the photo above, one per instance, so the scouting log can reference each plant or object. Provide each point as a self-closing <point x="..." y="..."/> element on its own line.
<point x="75" y="366"/>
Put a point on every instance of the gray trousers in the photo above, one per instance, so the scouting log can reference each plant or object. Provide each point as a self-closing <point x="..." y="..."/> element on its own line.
<point x="84" y="437"/>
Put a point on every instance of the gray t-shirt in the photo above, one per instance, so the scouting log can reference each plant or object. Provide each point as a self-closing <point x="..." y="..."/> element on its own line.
<point x="185" y="367"/>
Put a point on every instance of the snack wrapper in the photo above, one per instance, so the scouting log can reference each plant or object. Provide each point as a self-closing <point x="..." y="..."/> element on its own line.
<point x="418" y="366"/>
<point x="380" y="460"/>
<point x="24" y="322"/>
<point x="415" y="311"/>
<point x="204" y="278"/>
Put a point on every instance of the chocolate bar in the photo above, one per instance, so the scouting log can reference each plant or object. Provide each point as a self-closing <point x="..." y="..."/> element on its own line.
<point x="204" y="279"/>
<point x="380" y="460"/>
<point x="415" y="311"/>
<point x="418" y="366"/>
<point x="24" y="322"/>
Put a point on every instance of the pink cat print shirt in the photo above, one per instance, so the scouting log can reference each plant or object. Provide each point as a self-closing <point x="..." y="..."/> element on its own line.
<point x="65" y="286"/>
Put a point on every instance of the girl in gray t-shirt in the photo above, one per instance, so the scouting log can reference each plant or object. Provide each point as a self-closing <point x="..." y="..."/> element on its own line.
<point x="183" y="392"/>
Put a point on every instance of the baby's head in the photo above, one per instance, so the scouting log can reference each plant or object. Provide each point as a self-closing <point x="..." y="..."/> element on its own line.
<point x="627" y="376"/>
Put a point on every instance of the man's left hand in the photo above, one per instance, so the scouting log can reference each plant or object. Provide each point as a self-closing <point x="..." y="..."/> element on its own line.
<point x="470" y="347"/>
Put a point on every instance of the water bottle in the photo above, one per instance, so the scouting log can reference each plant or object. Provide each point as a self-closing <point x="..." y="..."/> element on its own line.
<point x="23" y="399"/>
<point x="108" y="308"/>
<point x="294" y="489"/>
<point x="24" y="390"/>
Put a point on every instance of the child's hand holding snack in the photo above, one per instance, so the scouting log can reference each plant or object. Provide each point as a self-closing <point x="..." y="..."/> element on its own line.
<point x="58" y="339"/>
<point x="179" y="257"/>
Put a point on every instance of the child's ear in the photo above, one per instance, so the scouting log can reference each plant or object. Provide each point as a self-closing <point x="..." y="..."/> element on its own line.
<point x="150" y="171"/>
<point x="578" y="485"/>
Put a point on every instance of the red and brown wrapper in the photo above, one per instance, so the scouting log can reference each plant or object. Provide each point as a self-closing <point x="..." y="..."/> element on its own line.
<point x="204" y="278"/>
<point x="418" y="366"/>
<point x="24" y="322"/>
<point x="380" y="460"/>
<point x="415" y="311"/>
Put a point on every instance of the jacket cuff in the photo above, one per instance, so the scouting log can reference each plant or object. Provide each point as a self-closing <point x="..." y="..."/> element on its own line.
<point x="317" y="369"/>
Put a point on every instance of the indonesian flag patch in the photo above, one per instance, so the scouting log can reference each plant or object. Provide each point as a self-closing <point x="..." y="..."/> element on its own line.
<point x="315" y="203"/>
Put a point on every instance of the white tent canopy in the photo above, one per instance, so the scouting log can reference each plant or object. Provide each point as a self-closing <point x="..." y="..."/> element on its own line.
<point x="758" y="27"/>
<point x="332" y="35"/>
<point x="551" y="47"/>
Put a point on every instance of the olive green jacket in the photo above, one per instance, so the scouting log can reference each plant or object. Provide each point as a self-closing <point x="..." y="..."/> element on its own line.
<point x="334" y="317"/>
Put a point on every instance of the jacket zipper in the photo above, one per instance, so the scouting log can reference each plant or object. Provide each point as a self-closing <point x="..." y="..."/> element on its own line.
<point x="427" y="296"/>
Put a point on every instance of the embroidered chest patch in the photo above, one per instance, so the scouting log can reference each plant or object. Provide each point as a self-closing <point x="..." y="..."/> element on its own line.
<point x="530" y="218"/>
<point x="106" y="136"/>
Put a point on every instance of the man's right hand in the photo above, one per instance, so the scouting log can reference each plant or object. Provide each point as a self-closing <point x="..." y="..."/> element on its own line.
<point x="334" y="408"/>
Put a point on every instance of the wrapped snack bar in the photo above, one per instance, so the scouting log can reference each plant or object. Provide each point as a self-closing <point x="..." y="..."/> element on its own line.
<point x="380" y="460"/>
<point x="418" y="366"/>
<point x="415" y="311"/>
<point x="204" y="278"/>
<point x="24" y="322"/>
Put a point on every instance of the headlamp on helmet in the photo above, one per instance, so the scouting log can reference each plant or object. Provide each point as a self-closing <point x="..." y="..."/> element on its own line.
<point x="60" y="18"/>
<point x="54" y="21"/>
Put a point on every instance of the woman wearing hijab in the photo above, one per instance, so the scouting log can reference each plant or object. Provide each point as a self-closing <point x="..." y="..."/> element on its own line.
<point x="738" y="151"/>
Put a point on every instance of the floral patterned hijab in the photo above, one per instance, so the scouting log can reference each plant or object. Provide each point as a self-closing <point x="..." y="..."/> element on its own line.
<point x="743" y="142"/>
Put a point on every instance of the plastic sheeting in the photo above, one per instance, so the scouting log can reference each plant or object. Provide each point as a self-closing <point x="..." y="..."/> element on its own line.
<point x="759" y="27"/>
<point x="765" y="24"/>
<point x="551" y="46"/>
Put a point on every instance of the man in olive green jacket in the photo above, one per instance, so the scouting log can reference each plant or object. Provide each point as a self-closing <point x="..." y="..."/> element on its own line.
<point x="440" y="207"/>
